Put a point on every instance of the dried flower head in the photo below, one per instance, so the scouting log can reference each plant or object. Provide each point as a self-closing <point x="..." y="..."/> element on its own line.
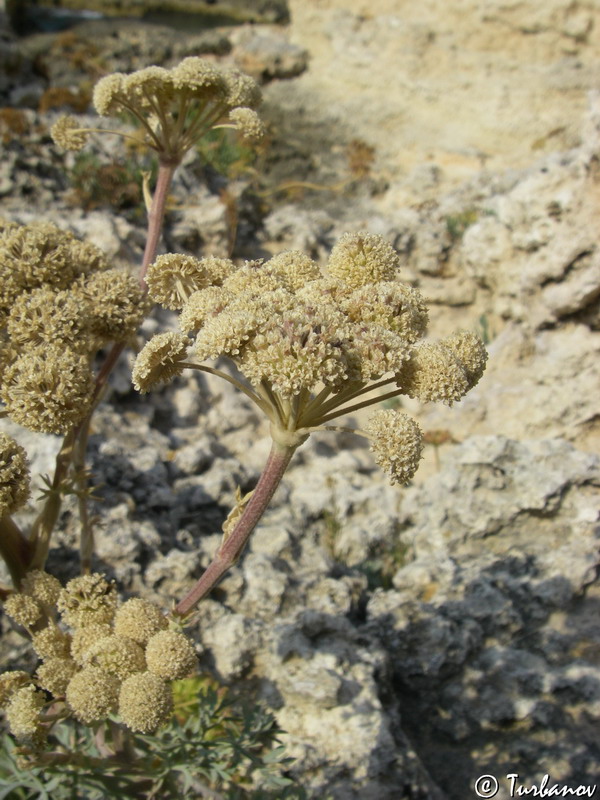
<point x="170" y="655"/>
<point x="23" y="715"/>
<point x="24" y="610"/>
<point x="14" y="475"/>
<point x="361" y="258"/>
<point x="139" y="619"/>
<point x="160" y="360"/>
<point x="51" y="642"/>
<point x="10" y="682"/>
<point x="145" y="702"/>
<point x="68" y="133"/>
<point x="87" y="600"/>
<point x="42" y="586"/>
<point x="397" y="442"/>
<point x="55" y="674"/>
<point x="92" y="694"/>
<point x="48" y="390"/>
<point x="118" y="655"/>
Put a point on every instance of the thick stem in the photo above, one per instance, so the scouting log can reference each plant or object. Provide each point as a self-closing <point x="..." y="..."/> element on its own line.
<point x="14" y="549"/>
<point x="156" y="216"/>
<point x="41" y="530"/>
<point x="234" y="543"/>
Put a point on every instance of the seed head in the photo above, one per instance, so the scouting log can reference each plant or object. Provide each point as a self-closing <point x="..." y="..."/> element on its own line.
<point x="170" y="655"/>
<point x="87" y="600"/>
<point x="92" y="694"/>
<point x="397" y="442"/>
<point x="68" y="134"/>
<point x="139" y="619"/>
<point x="14" y="475"/>
<point x="145" y="702"/>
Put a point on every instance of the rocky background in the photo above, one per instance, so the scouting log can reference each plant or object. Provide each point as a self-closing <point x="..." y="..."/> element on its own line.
<point x="407" y="639"/>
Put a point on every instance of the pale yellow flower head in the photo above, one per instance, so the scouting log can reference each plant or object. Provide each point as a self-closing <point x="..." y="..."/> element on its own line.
<point x="48" y="390"/>
<point x="170" y="655"/>
<point x="160" y="360"/>
<point x="397" y="442"/>
<point x="361" y="258"/>
<point x="145" y="702"/>
<point x="174" y="277"/>
<point x="55" y="674"/>
<point x="249" y="125"/>
<point x="10" y="682"/>
<point x="24" y="610"/>
<point x="23" y="715"/>
<point x="434" y="373"/>
<point x="84" y="638"/>
<point x="51" y="642"/>
<point x="92" y="694"/>
<point x="296" y="267"/>
<point x="118" y="655"/>
<point x="202" y="305"/>
<point x="87" y="600"/>
<point x="42" y="586"/>
<point x="68" y="134"/>
<point x="139" y="619"/>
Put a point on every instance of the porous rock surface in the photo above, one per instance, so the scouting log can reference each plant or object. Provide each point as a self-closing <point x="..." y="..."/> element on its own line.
<point x="407" y="639"/>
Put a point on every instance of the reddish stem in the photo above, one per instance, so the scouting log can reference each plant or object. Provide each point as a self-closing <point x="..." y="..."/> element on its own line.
<point x="232" y="546"/>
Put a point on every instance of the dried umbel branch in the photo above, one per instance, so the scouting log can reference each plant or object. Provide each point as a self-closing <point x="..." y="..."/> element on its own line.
<point x="312" y="346"/>
<point x="98" y="658"/>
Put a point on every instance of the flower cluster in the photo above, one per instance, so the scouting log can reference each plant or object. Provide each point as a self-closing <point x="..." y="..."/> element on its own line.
<point x="60" y="301"/>
<point x="175" y="107"/>
<point x="100" y="659"/>
<point x="311" y="344"/>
